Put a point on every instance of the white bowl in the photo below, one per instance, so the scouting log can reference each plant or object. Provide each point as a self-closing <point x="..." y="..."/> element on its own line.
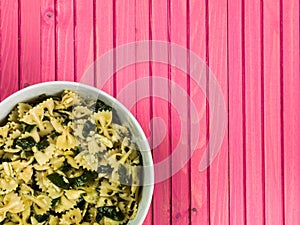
<point x="55" y="87"/>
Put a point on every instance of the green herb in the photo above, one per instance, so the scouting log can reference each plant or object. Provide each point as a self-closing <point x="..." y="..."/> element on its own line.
<point x="43" y="144"/>
<point x="80" y="203"/>
<point x="124" y="179"/>
<point x="100" y="106"/>
<point x="65" y="167"/>
<point x="85" y="178"/>
<point x="70" y="108"/>
<point x="42" y="218"/>
<point x="24" y="143"/>
<point x="77" y="151"/>
<point x="29" y="128"/>
<point x="111" y="212"/>
<point x="28" y="153"/>
<point x="59" y="181"/>
<point x="46" y="118"/>
<point x="54" y="134"/>
<point x="88" y="127"/>
<point x="66" y="121"/>
<point x="68" y="183"/>
<point x="2" y="160"/>
<point x="42" y="98"/>
<point x="54" y="201"/>
<point x="105" y="169"/>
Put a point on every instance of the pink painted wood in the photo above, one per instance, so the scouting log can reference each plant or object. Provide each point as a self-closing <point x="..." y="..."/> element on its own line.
<point x="217" y="56"/>
<point x="272" y="107"/>
<point x="160" y="30"/>
<point x="84" y="40"/>
<point x="252" y="47"/>
<point x="9" y="74"/>
<point x="254" y="176"/>
<point x="144" y="108"/>
<point x="181" y="180"/>
<point x="104" y="24"/>
<point x="30" y="42"/>
<point x="65" y="41"/>
<point x="199" y="180"/>
<point x="291" y="109"/>
<point x="236" y="92"/>
<point x="47" y="40"/>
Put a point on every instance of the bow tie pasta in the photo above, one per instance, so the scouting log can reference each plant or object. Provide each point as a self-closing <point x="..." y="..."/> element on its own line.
<point x="64" y="160"/>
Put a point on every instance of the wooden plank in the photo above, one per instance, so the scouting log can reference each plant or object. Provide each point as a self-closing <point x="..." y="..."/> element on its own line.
<point x="272" y="108"/>
<point x="180" y="180"/>
<point x="64" y="40"/>
<point x="30" y="55"/>
<point x="199" y="180"/>
<point x="144" y="107"/>
<point x="253" y="75"/>
<point x="237" y="114"/>
<point x="84" y="40"/>
<point x="162" y="193"/>
<point x="124" y="34"/>
<point x="47" y="40"/>
<point x="291" y="110"/>
<point x="8" y="48"/>
<point x="218" y="64"/>
<point x="104" y="39"/>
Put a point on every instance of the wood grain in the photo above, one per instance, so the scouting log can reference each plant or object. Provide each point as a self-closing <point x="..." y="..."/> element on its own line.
<point x="124" y="34"/>
<point x="199" y="180"/>
<point x="160" y="25"/>
<point x="255" y="210"/>
<point x="65" y="57"/>
<point x="272" y="107"/>
<point x="9" y="74"/>
<point x="84" y="40"/>
<point x="237" y="115"/>
<point x="291" y="109"/>
<point x="104" y="29"/>
<point x="144" y="108"/>
<point x="180" y="180"/>
<point x="30" y="42"/>
<point x="218" y="171"/>
<point x="47" y="40"/>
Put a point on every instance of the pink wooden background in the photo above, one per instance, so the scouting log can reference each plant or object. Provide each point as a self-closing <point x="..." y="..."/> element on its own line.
<point x="252" y="46"/>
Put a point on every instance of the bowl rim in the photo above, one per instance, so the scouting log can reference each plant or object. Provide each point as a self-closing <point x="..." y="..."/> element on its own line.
<point x="12" y="100"/>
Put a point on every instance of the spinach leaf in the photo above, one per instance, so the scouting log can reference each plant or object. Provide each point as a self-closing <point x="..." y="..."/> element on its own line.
<point x="81" y="203"/>
<point x="42" y="98"/>
<point x="42" y="218"/>
<point x="54" y="201"/>
<point x="29" y="128"/>
<point x="59" y="181"/>
<point x="105" y="169"/>
<point x="100" y="106"/>
<point x="111" y="212"/>
<point x="2" y="160"/>
<point x="65" y="167"/>
<point x="28" y="153"/>
<point x="88" y="127"/>
<point x="44" y="143"/>
<point x="24" y="143"/>
<point x="124" y="178"/>
<point x="54" y="134"/>
<point x="85" y="178"/>
<point x="46" y="118"/>
<point x="68" y="183"/>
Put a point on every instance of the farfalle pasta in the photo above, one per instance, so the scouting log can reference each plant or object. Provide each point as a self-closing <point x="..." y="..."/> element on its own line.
<point x="63" y="160"/>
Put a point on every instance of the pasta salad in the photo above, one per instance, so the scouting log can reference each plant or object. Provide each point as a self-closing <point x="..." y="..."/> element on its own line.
<point x="67" y="160"/>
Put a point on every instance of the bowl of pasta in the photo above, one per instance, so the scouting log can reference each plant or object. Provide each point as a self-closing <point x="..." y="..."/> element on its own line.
<point x="72" y="154"/>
